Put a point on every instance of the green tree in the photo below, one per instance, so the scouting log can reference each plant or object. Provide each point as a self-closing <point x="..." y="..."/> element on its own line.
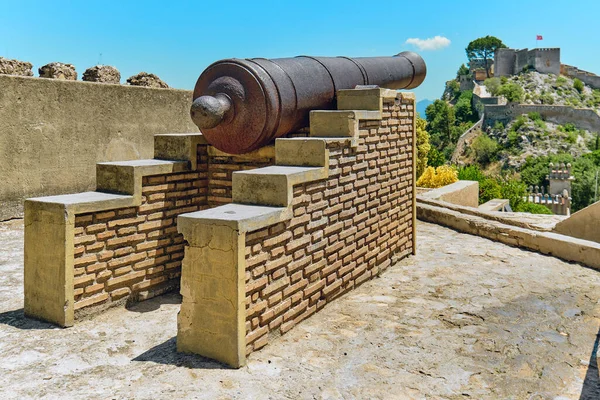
<point x="462" y="70"/>
<point x="463" y="109"/>
<point x="435" y="158"/>
<point x="440" y="120"/>
<point x="492" y="85"/>
<point x="484" y="48"/>
<point x="512" y="91"/>
<point x="423" y="146"/>
<point x="485" y="148"/>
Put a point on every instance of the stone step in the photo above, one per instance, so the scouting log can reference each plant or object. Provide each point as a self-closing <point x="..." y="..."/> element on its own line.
<point x="272" y="186"/>
<point x="125" y="177"/>
<point x="179" y="146"/>
<point x="339" y="123"/>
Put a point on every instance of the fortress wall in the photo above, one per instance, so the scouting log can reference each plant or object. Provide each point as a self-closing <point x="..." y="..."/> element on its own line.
<point x="582" y="118"/>
<point x="588" y="78"/>
<point x="504" y="62"/>
<point x="521" y="60"/>
<point x="52" y="132"/>
<point x="546" y="61"/>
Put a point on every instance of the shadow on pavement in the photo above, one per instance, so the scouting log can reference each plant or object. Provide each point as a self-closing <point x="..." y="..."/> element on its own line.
<point x="591" y="384"/>
<point x="17" y="319"/>
<point x="166" y="353"/>
<point x="154" y="303"/>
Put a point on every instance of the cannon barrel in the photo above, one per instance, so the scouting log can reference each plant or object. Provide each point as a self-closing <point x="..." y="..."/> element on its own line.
<point x="241" y="105"/>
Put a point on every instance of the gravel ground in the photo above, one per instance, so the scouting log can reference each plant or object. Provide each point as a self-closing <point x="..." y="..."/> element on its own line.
<point x="465" y="318"/>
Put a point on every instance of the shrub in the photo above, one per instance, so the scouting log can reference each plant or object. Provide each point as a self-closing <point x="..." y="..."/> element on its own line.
<point x="453" y="88"/>
<point x="423" y="146"/>
<point x="435" y="158"/>
<point x="578" y="85"/>
<point x="512" y="91"/>
<point x="513" y="138"/>
<point x="533" y="208"/>
<point x="540" y="124"/>
<point x="485" y="148"/>
<point x="498" y="126"/>
<point x="561" y="80"/>
<point x="571" y="137"/>
<point x="513" y="190"/>
<point x="489" y="189"/>
<point x="437" y="177"/>
<point x="470" y="173"/>
<point x="519" y="122"/>
<point x="492" y="85"/>
<point x="534" y="116"/>
<point x="546" y="99"/>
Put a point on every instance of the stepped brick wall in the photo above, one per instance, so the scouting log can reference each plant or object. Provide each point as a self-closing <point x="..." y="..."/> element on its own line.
<point x="345" y="229"/>
<point x="135" y="253"/>
<point x="221" y="169"/>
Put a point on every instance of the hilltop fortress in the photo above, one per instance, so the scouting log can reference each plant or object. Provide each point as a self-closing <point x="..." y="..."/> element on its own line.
<point x="510" y="61"/>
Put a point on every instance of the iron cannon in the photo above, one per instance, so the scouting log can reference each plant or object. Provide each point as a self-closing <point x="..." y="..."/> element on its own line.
<point x="241" y="105"/>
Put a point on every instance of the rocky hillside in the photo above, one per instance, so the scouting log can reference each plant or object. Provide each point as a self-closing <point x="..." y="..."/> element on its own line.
<point x="529" y="135"/>
<point x="550" y="89"/>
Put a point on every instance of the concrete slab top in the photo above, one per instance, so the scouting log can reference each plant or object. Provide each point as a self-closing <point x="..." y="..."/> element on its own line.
<point x="79" y="203"/>
<point x="144" y="163"/>
<point x="77" y="198"/>
<point x="280" y="170"/>
<point x="242" y="217"/>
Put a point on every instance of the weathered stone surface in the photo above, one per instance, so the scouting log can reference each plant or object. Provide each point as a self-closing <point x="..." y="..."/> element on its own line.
<point x="102" y="74"/>
<point x="58" y="70"/>
<point x="147" y="80"/>
<point x="465" y="318"/>
<point x="15" y="67"/>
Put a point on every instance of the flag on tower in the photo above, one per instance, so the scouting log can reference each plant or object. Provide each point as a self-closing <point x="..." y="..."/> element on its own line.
<point x="539" y="37"/>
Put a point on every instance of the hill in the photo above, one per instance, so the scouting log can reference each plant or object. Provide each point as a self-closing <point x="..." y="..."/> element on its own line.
<point x="422" y="105"/>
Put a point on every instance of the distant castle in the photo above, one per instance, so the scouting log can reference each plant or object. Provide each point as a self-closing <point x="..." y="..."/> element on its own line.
<point x="511" y="62"/>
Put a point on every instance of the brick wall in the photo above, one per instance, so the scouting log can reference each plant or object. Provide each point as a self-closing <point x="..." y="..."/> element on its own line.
<point x="346" y="229"/>
<point x="133" y="254"/>
<point x="222" y="166"/>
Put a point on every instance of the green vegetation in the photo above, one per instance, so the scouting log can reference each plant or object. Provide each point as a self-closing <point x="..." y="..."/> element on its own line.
<point x="462" y="70"/>
<point x="584" y="168"/>
<point x="485" y="148"/>
<point x="533" y="208"/>
<point x="491" y="187"/>
<point x="423" y="145"/>
<point x="463" y="110"/>
<point x="578" y="85"/>
<point x="484" y="48"/>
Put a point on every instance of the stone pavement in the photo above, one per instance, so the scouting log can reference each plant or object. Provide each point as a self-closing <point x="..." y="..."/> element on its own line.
<point x="465" y="319"/>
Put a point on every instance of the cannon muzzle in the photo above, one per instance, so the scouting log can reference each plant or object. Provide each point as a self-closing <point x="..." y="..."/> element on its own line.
<point x="241" y="105"/>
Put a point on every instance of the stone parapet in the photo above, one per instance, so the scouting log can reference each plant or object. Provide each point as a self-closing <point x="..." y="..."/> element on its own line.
<point x="336" y="211"/>
<point x="89" y="251"/>
<point x="564" y="247"/>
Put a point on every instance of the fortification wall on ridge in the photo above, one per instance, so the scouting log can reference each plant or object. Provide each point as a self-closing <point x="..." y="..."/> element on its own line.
<point x="582" y="118"/>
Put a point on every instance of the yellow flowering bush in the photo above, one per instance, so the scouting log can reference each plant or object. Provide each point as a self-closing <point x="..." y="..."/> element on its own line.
<point x="438" y="177"/>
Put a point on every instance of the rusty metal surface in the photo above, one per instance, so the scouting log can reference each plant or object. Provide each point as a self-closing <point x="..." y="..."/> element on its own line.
<point x="241" y="105"/>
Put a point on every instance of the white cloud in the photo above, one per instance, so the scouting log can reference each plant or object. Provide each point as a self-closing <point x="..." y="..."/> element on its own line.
<point x="434" y="43"/>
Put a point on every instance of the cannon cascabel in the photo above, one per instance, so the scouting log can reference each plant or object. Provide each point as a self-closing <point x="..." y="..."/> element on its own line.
<point x="241" y="105"/>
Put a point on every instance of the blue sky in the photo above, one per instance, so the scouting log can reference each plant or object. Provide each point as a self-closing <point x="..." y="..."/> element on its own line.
<point x="176" y="40"/>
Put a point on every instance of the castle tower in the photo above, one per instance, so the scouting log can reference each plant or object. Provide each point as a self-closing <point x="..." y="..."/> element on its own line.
<point x="560" y="179"/>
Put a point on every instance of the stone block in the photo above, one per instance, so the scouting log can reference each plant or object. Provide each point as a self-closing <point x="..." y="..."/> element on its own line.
<point x="58" y="70"/>
<point x="102" y="74"/>
<point x="15" y="67"/>
<point x="147" y="80"/>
